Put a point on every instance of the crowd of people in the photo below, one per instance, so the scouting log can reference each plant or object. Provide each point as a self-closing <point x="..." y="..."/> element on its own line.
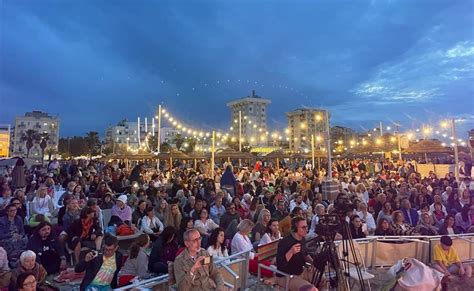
<point x="52" y="217"/>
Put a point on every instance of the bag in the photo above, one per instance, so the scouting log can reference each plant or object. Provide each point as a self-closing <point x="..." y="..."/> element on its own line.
<point x="124" y="229"/>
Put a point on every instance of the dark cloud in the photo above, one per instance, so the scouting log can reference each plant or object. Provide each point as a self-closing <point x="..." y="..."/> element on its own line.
<point x="96" y="62"/>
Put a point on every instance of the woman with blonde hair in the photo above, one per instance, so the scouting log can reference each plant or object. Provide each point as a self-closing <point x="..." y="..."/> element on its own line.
<point x="262" y="222"/>
<point x="174" y="216"/>
<point x="162" y="210"/>
<point x="362" y="193"/>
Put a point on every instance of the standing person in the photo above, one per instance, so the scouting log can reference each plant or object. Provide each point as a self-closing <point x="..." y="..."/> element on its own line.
<point x="292" y="256"/>
<point x="193" y="269"/>
<point x="101" y="268"/>
<point x="228" y="181"/>
<point x="18" y="175"/>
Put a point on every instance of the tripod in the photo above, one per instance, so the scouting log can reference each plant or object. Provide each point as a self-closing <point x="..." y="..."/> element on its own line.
<point x="328" y="259"/>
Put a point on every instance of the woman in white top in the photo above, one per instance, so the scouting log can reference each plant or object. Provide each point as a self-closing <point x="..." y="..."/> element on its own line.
<point x="319" y="209"/>
<point x="43" y="203"/>
<point x="272" y="233"/>
<point x="367" y="217"/>
<point x="150" y="224"/>
<point x="217" y="247"/>
<point x="205" y="225"/>
<point x="241" y="242"/>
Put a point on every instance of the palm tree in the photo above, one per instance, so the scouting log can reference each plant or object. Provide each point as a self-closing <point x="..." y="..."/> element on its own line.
<point x="44" y="137"/>
<point x="179" y="140"/>
<point x="30" y="137"/>
<point x="50" y="152"/>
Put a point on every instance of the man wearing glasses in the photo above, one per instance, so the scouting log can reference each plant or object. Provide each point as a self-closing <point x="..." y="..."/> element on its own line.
<point x="292" y="257"/>
<point x="194" y="269"/>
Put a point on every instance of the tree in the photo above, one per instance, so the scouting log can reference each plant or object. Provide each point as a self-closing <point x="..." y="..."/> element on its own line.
<point x="179" y="140"/>
<point x="50" y="152"/>
<point x="190" y="145"/>
<point x="44" y="137"/>
<point x="165" y="147"/>
<point x="93" y="142"/>
<point x="30" y="137"/>
<point x="152" y="143"/>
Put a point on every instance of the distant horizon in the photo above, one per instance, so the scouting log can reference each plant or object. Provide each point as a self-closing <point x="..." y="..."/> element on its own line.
<point x="93" y="63"/>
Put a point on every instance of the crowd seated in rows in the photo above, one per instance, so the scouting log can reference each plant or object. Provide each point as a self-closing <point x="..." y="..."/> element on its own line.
<point x="72" y="214"/>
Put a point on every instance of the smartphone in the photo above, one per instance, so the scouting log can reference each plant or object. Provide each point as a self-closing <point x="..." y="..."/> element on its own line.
<point x="364" y="227"/>
<point x="207" y="261"/>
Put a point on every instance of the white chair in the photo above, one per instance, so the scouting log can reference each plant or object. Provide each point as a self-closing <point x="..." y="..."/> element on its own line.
<point x="353" y="273"/>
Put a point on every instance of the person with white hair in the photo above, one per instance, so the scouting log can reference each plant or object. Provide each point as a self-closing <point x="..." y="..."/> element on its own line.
<point x="28" y="264"/>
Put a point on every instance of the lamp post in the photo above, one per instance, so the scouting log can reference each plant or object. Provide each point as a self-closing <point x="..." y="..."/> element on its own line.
<point x="399" y="143"/>
<point x="240" y="136"/>
<point x="456" y="153"/>
<point x="213" y="150"/>
<point x="158" y="137"/>
<point x="138" y="132"/>
<point x="328" y="134"/>
<point x="312" y="150"/>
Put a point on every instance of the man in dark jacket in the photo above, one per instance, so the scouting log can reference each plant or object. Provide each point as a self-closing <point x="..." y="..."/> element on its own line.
<point x="101" y="268"/>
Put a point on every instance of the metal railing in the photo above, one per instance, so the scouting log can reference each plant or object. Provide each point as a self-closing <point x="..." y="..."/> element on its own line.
<point x="240" y="281"/>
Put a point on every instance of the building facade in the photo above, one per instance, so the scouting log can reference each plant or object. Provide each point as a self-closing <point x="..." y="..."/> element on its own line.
<point x="249" y="114"/>
<point x="302" y="124"/>
<point x="5" y="140"/>
<point x="40" y="123"/>
<point x="123" y="135"/>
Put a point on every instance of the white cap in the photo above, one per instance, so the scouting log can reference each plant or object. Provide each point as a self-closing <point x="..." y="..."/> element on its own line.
<point x="123" y="198"/>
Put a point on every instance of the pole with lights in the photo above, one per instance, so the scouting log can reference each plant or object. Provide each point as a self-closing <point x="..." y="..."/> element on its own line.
<point x="456" y="152"/>
<point x="312" y="150"/>
<point x="213" y="150"/>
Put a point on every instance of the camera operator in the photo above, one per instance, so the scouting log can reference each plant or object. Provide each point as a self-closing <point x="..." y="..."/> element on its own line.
<point x="292" y="257"/>
<point x="193" y="268"/>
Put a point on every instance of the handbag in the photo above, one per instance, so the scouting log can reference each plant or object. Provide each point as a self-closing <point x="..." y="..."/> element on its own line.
<point x="124" y="229"/>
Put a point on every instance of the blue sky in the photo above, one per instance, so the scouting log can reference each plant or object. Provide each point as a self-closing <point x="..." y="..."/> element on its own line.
<point x="95" y="63"/>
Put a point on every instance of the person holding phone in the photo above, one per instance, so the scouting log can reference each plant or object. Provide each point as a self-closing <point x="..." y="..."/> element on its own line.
<point x="194" y="269"/>
<point x="101" y="267"/>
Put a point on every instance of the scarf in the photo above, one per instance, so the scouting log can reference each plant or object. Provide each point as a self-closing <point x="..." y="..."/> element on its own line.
<point x="86" y="226"/>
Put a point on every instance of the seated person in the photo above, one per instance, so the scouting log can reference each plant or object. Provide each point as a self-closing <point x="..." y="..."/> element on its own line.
<point x="272" y="233"/>
<point x="357" y="227"/>
<point x="101" y="268"/>
<point x="448" y="226"/>
<point x="425" y="225"/>
<point x="49" y="252"/>
<point x="26" y="282"/>
<point x="399" y="227"/>
<point x="150" y="224"/>
<point x="383" y="228"/>
<point x="205" y="225"/>
<point x="186" y="223"/>
<point x="447" y="260"/>
<point x="12" y="234"/>
<point x="72" y="212"/>
<point x="137" y="263"/>
<point x="85" y="231"/>
<point x="107" y="202"/>
<point x="193" y="268"/>
<point x="217" y="247"/>
<point x="121" y="212"/>
<point x="292" y="256"/>
<point x="28" y="264"/>
<point x="139" y="213"/>
<point x="164" y="250"/>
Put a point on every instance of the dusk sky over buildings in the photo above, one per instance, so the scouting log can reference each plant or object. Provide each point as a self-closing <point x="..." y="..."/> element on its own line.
<point x="94" y="63"/>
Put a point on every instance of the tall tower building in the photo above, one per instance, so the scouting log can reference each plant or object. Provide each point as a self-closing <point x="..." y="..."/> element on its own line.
<point x="252" y="111"/>
<point x="302" y="123"/>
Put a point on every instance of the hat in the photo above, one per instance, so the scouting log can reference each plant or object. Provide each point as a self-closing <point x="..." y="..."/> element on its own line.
<point x="446" y="240"/>
<point x="123" y="198"/>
